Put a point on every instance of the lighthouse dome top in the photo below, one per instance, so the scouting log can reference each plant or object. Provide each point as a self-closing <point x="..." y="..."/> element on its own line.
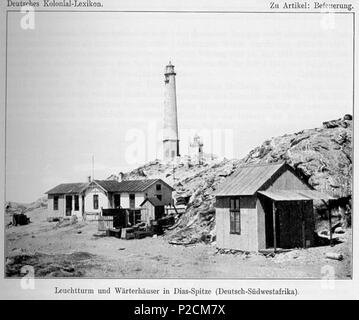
<point x="170" y="69"/>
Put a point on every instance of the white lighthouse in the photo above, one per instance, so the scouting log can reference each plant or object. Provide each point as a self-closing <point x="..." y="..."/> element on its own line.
<point x="170" y="124"/>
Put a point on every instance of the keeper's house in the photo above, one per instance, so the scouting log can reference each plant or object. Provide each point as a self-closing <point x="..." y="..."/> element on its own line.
<point x="85" y="200"/>
<point x="265" y="206"/>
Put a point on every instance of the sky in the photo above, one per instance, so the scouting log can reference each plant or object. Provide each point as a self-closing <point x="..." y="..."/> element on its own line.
<point x="83" y="84"/>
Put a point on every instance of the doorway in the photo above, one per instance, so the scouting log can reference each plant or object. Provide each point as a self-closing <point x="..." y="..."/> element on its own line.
<point x="68" y="205"/>
<point x="267" y="205"/>
<point x="117" y="201"/>
<point x="159" y="212"/>
<point x="292" y="223"/>
<point x="292" y="227"/>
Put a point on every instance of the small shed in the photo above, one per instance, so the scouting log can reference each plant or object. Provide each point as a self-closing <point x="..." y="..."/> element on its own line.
<point x="154" y="209"/>
<point x="265" y="206"/>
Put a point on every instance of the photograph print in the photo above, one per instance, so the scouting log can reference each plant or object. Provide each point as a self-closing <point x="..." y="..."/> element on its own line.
<point x="176" y="145"/>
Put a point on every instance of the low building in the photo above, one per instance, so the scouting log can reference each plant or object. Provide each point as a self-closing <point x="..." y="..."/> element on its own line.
<point x="65" y="200"/>
<point x="265" y="206"/>
<point x="87" y="199"/>
<point x="153" y="209"/>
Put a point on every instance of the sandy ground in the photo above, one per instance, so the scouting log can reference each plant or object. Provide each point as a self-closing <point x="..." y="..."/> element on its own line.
<point x="74" y="250"/>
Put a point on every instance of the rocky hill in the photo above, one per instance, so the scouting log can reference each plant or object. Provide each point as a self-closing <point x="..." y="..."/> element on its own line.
<point x="15" y="207"/>
<point x="322" y="155"/>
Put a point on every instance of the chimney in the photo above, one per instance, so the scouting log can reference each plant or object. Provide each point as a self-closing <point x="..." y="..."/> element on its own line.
<point x="120" y="176"/>
<point x="89" y="178"/>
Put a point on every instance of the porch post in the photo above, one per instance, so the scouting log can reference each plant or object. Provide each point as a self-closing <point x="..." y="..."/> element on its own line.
<point x="330" y="224"/>
<point x="274" y="228"/>
<point x="302" y="208"/>
<point x="64" y="205"/>
<point x="83" y="206"/>
<point x="72" y="204"/>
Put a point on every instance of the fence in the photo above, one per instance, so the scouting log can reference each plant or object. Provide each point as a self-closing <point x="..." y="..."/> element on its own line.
<point x="105" y="223"/>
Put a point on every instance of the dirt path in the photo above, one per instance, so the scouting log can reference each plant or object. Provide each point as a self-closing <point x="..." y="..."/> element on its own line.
<point x="83" y="254"/>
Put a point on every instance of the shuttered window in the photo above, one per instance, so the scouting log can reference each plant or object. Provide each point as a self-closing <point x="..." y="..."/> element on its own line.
<point x="235" y="216"/>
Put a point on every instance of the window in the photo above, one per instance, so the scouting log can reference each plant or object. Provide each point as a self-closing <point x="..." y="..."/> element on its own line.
<point x="235" y="216"/>
<point x="132" y="200"/>
<point x="159" y="196"/>
<point x="77" y="206"/>
<point x="56" y="202"/>
<point x="95" y="201"/>
<point x="158" y="187"/>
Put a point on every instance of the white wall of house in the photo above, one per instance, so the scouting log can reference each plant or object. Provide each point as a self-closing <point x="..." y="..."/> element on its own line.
<point x="61" y="211"/>
<point x="151" y="192"/>
<point x="125" y="199"/>
<point x="247" y="240"/>
<point x="103" y="201"/>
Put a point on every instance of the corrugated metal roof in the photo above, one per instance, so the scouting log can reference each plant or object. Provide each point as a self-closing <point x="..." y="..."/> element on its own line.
<point x="66" y="188"/>
<point x="283" y="195"/>
<point x="139" y="185"/>
<point x="248" y="179"/>
<point x="135" y="185"/>
<point x="316" y="195"/>
<point x="286" y="195"/>
<point x="109" y="185"/>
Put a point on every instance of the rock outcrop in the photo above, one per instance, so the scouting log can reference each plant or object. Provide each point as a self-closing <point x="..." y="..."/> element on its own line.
<point x="322" y="155"/>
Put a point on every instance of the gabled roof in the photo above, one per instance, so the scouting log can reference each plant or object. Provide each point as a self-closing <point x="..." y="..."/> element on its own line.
<point x="154" y="201"/>
<point x="247" y="180"/>
<point x="67" y="188"/>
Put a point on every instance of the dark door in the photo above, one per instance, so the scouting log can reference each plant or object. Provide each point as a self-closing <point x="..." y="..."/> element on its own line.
<point x="159" y="212"/>
<point x="132" y="200"/>
<point x="117" y="201"/>
<point x="68" y="205"/>
<point x="291" y="223"/>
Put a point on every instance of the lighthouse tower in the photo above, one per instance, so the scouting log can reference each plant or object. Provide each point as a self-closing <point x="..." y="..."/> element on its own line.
<point x="170" y="124"/>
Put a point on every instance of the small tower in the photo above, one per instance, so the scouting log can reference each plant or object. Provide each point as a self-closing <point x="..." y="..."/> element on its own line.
<point x="196" y="150"/>
<point x="170" y="124"/>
